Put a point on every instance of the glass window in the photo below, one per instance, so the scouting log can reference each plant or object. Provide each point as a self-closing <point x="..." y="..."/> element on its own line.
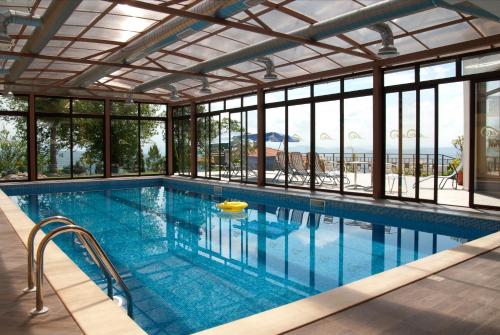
<point x="203" y="146"/>
<point x="153" y="110"/>
<point x="88" y="146"/>
<point x="274" y="96"/>
<point x="358" y="83"/>
<point x="325" y="88"/>
<point x="251" y="159"/>
<point x="233" y="103"/>
<point x="14" y="104"/>
<point x="83" y="106"/>
<point x="487" y="144"/>
<point x="153" y="149"/>
<point x="202" y="108"/>
<point x="216" y="106"/>
<point x="250" y="100"/>
<point x="13" y="148"/>
<point x="398" y="77"/>
<point x="234" y="160"/>
<point x="122" y="108"/>
<point x="275" y="151"/>
<point x="426" y="138"/>
<point x="53" y="147"/>
<point x="358" y="143"/>
<point x="124" y="147"/>
<point x="299" y="92"/>
<point x="182" y="142"/>
<point x="480" y="64"/>
<point x="216" y="160"/>
<point x="328" y="144"/>
<point x="299" y="143"/>
<point x="437" y="71"/>
<point x="51" y="105"/>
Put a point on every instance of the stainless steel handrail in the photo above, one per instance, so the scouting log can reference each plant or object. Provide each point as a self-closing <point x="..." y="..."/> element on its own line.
<point x="40" y="308"/>
<point x="31" y="252"/>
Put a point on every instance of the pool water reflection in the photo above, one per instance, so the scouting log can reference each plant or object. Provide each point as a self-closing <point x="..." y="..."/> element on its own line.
<point x="191" y="267"/>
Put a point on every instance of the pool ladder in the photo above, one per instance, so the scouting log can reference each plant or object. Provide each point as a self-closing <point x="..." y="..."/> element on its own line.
<point x="88" y="241"/>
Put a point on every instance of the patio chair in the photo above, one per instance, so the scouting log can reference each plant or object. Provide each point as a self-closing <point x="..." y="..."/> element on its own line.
<point x="444" y="179"/>
<point x="322" y="174"/>
<point x="453" y="177"/>
<point x="298" y="167"/>
<point x="280" y="161"/>
<point x="251" y="166"/>
<point x="230" y="168"/>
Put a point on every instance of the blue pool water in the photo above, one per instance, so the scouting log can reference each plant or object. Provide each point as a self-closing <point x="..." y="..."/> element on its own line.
<point x="189" y="267"/>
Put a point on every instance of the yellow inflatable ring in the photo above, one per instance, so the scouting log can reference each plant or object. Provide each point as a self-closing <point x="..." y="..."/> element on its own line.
<point x="232" y="206"/>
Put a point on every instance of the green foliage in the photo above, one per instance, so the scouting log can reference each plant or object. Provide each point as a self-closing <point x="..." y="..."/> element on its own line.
<point x="13" y="154"/>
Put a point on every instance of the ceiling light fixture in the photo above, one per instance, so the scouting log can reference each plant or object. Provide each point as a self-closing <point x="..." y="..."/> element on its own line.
<point x="388" y="49"/>
<point x="205" y="88"/>
<point x="129" y="101"/>
<point x="270" y="75"/>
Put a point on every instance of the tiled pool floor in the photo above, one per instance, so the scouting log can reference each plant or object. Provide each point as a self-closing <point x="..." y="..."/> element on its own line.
<point x="14" y="305"/>
<point x="464" y="299"/>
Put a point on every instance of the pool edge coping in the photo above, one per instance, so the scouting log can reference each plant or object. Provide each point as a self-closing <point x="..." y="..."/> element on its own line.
<point x="81" y="297"/>
<point x="303" y="312"/>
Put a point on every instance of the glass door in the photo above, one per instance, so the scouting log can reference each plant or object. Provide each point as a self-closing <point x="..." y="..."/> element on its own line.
<point x="487" y="144"/>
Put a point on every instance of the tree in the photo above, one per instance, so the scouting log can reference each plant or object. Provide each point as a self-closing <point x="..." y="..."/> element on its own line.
<point x="155" y="161"/>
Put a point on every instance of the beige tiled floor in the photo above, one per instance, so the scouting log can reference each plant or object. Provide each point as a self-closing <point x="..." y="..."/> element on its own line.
<point x="464" y="299"/>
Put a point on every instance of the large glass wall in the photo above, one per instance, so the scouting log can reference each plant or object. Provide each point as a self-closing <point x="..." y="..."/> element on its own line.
<point x="226" y="139"/>
<point x="138" y="138"/>
<point x="342" y="133"/>
<point x="70" y="137"/>
<point x="13" y="138"/>
<point x="428" y="125"/>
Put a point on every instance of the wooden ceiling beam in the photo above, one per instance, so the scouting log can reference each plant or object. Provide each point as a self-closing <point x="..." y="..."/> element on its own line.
<point x="407" y="58"/>
<point x="117" y="65"/>
<point x="239" y="25"/>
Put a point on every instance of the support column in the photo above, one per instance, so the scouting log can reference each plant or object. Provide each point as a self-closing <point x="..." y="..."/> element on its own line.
<point x="261" y="139"/>
<point x="170" y="141"/>
<point x="107" y="138"/>
<point x="378" y="164"/>
<point x="32" y="174"/>
<point x="192" y="135"/>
